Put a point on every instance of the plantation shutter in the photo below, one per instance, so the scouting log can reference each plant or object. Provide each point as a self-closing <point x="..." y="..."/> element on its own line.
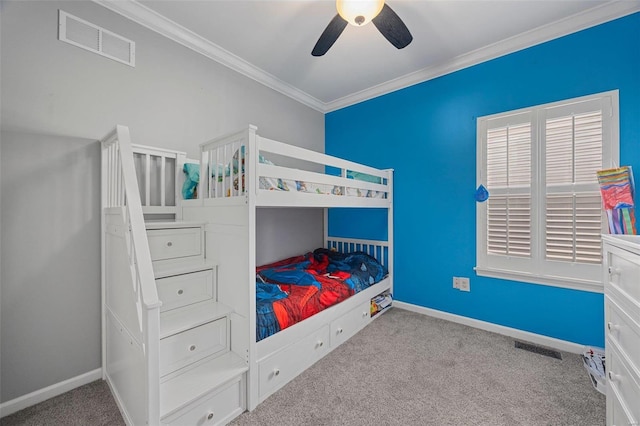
<point x="509" y="183"/>
<point x="573" y="154"/>
<point x="543" y="220"/>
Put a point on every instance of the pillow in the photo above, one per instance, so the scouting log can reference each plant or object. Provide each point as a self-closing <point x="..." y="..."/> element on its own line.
<point x="192" y="172"/>
<point x="363" y="176"/>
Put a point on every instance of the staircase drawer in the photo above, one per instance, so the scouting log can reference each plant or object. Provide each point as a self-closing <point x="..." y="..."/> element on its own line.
<point x="186" y="289"/>
<point x="217" y="408"/>
<point x="278" y="369"/>
<point x="174" y="243"/>
<point x="184" y="348"/>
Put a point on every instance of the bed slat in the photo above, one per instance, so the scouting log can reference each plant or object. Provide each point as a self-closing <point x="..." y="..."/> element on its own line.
<point x="147" y="180"/>
<point x="163" y="190"/>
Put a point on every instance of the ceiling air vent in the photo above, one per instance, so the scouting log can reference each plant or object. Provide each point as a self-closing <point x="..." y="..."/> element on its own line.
<point x="86" y="35"/>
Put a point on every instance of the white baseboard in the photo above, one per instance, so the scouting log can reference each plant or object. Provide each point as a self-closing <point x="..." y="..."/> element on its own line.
<point x="43" y="394"/>
<point x="539" y="339"/>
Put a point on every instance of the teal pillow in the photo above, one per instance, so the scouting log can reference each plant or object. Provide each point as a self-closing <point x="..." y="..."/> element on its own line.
<point x="363" y="176"/>
<point x="192" y="172"/>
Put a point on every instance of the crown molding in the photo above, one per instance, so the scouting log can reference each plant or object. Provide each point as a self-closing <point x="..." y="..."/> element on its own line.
<point x="154" y="21"/>
<point x="148" y="18"/>
<point x="589" y="18"/>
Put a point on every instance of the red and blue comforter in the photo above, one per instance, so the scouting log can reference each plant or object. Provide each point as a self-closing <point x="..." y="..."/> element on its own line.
<point x="294" y="289"/>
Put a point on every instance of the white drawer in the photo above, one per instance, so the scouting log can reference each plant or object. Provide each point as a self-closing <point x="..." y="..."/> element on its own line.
<point x="616" y="413"/>
<point x="218" y="408"/>
<point x="183" y="290"/>
<point x="184" y="348"/>
<point x="350" y="323"/>
<point x="623" y="331"/>
<point x="173" y="243"/>
<point x="626" y="385"/>
<point x="278" y="369"/>
<point x="624" y="273"/>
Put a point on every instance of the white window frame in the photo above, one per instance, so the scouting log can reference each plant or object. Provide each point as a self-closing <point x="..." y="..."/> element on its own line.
<point x="537" y="269"/>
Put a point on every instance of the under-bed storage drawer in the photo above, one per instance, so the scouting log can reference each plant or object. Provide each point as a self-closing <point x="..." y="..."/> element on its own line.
<point x="276" y="370"/>
<point x="218" y="408"/>
<point x="184" y="348"/>
<point x="186" y="289"/>
<point x="350" y="323"/>
<point x="173" y="243"/>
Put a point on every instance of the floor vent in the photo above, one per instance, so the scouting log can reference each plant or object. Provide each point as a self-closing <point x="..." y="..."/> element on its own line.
<point x="538" y="349"/>
<point x="93" y="38"/>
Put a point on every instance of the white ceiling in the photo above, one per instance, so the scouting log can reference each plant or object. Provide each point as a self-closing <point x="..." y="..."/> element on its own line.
<point x="271" y="41"/>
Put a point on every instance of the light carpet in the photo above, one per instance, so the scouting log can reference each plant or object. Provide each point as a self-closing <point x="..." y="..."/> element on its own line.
<point x="402" y="369"/>
<point x="411" y="369"/>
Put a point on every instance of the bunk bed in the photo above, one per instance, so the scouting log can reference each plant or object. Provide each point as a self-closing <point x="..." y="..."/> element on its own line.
<point x="237" y="174"/>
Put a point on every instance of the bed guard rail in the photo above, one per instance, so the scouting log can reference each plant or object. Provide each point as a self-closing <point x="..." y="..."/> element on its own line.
<point x="374" y="248"/>
<point x="240" y="164"/>
<point x="160" y="178"/>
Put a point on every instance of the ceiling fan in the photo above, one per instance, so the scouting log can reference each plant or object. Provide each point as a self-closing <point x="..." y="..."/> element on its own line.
<point x="359" y="13"/>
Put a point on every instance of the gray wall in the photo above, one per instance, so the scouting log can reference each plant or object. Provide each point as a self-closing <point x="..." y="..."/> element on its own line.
<point x="57" y="101"/>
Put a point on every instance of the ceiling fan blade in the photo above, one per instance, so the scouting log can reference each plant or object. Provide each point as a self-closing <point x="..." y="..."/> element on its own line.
<point x="392" y="28"/>
<point x="329" y="36"/>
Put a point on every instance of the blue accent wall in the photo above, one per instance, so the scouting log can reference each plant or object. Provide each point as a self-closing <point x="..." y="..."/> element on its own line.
<point x="427" y="133"/>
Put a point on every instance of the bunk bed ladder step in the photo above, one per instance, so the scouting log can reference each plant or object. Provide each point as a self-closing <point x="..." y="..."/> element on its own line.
<point x="166" y="338"/>
<point x="194" y="338"/>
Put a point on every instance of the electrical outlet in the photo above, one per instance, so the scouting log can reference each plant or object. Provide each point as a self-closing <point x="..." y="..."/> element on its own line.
<point x="463" y="284"/>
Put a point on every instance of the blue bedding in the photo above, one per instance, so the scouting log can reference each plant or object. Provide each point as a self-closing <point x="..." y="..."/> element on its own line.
<point x="293" y="289"/>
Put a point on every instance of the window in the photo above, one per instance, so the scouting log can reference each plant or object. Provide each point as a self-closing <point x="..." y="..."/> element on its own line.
<point x="543" y="219"/>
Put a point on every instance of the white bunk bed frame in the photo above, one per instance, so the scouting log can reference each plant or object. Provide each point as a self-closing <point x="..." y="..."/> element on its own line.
<point x="131" y="306"/>
<point x="231" y="230"/>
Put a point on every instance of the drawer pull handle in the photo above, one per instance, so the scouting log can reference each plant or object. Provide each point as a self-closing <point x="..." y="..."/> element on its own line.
<point x="340" y="330"/>
<point x="180" y="291"/>
<point x="614" y="271"/>
<point x="192" y="348"/>
<point x="276" y="372"/>
<point x="320" y="343"/>
<point x="612" y="327"/>
<point x="209" y="416"/>
<point x="169" y="244"/>
<point x="364" y="314"/>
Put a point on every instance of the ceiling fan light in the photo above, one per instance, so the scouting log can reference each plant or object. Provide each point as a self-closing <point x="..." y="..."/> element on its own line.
<point x="359" y="12"/>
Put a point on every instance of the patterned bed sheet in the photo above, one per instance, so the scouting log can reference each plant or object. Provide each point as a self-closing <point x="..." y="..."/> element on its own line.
<point x="296" y="288"/>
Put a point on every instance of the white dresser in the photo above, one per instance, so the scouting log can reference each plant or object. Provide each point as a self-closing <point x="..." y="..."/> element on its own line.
<point x="622" y="327"/>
